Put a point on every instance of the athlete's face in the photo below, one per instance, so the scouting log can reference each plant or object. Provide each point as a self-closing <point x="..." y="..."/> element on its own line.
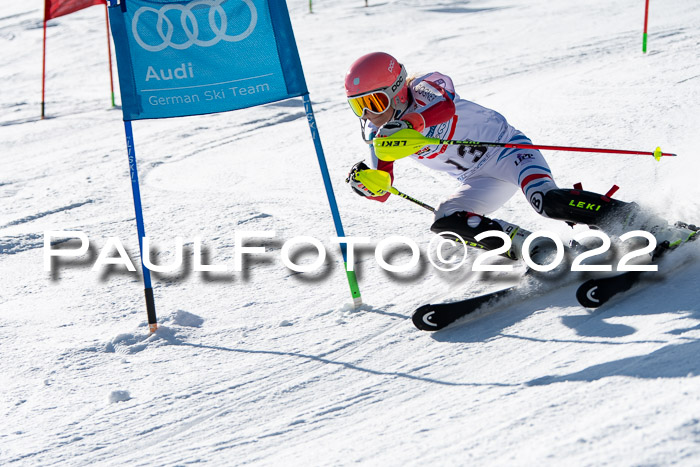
<point x="379" y="119"/>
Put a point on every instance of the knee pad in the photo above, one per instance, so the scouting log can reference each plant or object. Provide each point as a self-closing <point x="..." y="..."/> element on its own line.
<point x="581" y="207"/>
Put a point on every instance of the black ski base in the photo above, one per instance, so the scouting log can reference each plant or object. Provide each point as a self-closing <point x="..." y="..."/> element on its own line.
<point x="596" y="292"/>
<point x="435" y="317"/>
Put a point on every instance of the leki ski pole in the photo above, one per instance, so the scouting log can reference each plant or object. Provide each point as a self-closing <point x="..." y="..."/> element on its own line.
<point x="379" y="182"/>
<point x="406" y="142"/>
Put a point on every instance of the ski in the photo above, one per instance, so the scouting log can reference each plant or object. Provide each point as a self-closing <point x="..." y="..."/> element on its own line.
<point x="433" y="317"/>
<point x="436" y="316"/>
<point x="596" y="292"/>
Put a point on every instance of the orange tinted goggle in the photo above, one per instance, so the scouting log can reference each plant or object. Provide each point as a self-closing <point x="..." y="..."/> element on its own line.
<point x="375" y="102"/>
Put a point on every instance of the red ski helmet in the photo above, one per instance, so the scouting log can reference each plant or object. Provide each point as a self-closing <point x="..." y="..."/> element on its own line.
<point x="374" y="82"/>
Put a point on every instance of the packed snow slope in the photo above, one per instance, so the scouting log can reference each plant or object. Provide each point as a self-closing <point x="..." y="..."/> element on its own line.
<point x="271" y="367"/>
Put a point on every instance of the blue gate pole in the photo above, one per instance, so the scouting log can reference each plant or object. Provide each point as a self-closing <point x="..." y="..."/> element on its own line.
<point x="352" y="279"/>
<point x="148" y="289"/>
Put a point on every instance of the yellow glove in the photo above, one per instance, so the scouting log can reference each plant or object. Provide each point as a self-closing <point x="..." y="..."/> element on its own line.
<point x="368" y="182"/>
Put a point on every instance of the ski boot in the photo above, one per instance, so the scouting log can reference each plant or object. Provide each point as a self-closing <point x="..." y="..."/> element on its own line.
<point x="469" y="225"/>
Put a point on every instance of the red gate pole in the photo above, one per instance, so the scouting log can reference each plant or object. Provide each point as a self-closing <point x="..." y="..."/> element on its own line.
<point x="646" y="19"/>
<point x="43" y="61"/>
<point x="109" y="56"/>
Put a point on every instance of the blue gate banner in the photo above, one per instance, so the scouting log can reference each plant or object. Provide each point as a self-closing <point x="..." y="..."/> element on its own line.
<point x="178" y="58"/>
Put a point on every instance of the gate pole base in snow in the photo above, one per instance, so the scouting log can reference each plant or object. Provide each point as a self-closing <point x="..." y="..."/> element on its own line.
<point x="352" y="279"/>
<point x="148" y="289"/>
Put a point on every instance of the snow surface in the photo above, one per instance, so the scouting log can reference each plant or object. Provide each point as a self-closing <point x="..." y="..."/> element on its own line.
<point x="271" y="367"/>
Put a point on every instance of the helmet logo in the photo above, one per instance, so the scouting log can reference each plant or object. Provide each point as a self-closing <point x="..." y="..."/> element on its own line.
<point x="356" y="81"/>
<point x="391" y="66"/>
<point x="397" y="84"/>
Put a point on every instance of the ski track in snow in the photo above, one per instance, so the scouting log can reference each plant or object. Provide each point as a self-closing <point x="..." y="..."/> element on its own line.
<point x="270" y="367"/>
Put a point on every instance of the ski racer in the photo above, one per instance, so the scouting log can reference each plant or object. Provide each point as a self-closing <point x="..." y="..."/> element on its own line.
<point x="386" y="100"/>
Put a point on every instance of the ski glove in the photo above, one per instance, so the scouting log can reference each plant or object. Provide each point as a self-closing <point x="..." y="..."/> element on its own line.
<point x="392" y="127"/>
<point x="356" y="185"/>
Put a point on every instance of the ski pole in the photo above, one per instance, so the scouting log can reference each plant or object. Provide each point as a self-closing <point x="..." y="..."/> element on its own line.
<point x="406" y="142"/>
<point x="396" y="192"/>
<point x="379" y="182"/>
